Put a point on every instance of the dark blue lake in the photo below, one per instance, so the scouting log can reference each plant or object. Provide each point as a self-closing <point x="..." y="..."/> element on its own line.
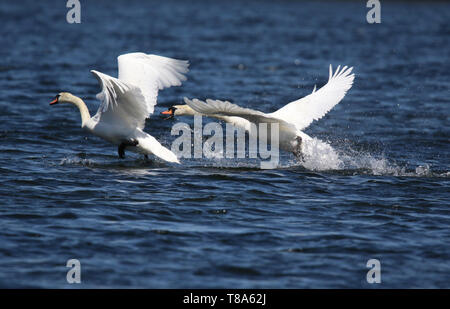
<point x="219" y="223"/>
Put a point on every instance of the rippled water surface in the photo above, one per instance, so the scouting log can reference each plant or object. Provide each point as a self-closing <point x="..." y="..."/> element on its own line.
<point x="217" y="222"/>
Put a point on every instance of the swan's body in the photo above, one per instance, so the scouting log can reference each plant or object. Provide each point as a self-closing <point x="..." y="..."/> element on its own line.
<point x="292" y="118"/>
<point x="128" y="100"/>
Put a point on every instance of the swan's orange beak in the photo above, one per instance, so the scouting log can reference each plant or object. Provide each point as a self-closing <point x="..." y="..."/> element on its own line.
<point x="55" y="101"/>
<point x="170" y="112"/>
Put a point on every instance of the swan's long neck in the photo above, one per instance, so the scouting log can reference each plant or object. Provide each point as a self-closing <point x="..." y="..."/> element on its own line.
<point x="84" y="112"/>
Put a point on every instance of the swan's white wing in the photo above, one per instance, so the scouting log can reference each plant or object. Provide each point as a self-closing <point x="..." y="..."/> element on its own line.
<point x="122" y="104"/>
<point x="151" y="73"/>
<point x="225" y="108"/>
<point x="304" y="111"/>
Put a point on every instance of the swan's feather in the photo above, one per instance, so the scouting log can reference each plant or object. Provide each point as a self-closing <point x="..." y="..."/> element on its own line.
<point x="151" y="73"/>
<point x="149" y="143"/>
<point x="128" y="100"/>
<point x="121" y="103"/>
<point x="304" y="111"/>
<point x="299" y="114"/>
<point x="224" y="108"/>
<point x="220" y="107"/>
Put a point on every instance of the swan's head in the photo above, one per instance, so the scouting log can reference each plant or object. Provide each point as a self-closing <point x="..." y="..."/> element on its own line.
<point x="179" y="110"/>
<point x="63" y="97"/>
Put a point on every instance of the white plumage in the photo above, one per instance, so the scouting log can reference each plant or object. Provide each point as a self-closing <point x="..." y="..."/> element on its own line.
<point x="128" y="100"/>
<point x="304" y="111"/>
<point x="293" y="117"/>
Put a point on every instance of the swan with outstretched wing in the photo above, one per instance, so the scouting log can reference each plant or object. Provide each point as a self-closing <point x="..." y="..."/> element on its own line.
<point x="128" y="100"/>
<point x="293" y="118"/>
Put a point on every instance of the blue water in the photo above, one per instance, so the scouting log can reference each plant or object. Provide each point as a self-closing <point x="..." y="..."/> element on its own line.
<point x="217" y="223"/>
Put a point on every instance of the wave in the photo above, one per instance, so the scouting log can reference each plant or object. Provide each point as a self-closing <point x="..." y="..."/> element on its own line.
<point x="77" y="161"/>
<point x="342" y="158"/>
<point x="318" y="156"/>
<point x="321" y="156"/>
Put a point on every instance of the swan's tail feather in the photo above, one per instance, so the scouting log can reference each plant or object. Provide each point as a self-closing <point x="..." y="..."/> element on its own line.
<point x="150" y="145"/>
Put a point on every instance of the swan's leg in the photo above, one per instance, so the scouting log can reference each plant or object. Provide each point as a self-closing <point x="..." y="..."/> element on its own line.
<point x="298" y="148"/>
<point x="123" y="145"/>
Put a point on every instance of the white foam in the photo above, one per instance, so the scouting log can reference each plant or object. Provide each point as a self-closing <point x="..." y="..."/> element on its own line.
<point x="319" y="156"/>
<point x="77" y="161"/>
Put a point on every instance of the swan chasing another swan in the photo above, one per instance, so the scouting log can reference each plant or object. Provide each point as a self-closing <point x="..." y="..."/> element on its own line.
<point x="128" y="100"/>
<point x="292" y="118"/>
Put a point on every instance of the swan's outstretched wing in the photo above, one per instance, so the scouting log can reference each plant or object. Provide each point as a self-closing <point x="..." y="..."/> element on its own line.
<point x="221" y="107"/>
<point x="304" y="111"/>
<point x="121" y="103"/>
<point x="151" y="73"/>
<point x="225" y="108"/>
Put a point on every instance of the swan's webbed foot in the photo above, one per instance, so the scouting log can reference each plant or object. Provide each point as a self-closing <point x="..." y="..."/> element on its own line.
<point x="298" y="149"/>
<point x="125" y="144"/>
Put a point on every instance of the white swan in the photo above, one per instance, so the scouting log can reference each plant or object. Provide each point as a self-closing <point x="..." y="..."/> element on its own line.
<point x="128" y="100"/>
<point x="292" y="118"/>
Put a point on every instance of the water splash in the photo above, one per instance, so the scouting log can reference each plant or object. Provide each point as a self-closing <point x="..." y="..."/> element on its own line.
<point x="318" y="156"/>
<point x="77" y="161"/>
<point x="321" y="156"/>
<point x="424" y="170"/>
